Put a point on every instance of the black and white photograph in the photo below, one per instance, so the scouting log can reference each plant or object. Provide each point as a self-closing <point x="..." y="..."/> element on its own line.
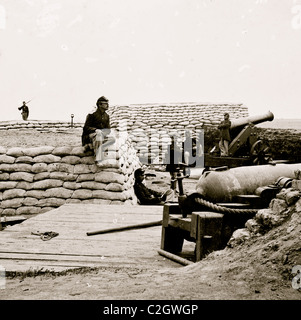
<point x="150" y="153"/>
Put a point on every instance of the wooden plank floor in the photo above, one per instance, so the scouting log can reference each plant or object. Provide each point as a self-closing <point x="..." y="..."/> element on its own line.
<point x="72" y="248"/>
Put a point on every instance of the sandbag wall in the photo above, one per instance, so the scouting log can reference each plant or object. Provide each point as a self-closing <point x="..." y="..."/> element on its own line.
<point x="36" y="180"/>
<point x="150" y="126"/>
<point x="40" y="125"/>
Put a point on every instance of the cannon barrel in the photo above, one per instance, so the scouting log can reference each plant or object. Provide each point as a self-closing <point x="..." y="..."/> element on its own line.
<point x="235" y="123"/>
<point x="223" y="186"/>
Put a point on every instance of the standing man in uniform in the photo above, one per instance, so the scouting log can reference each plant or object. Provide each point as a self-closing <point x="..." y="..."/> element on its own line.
<point x="225" y="135"/>
<point x="96" y="129"/>
<point x="25" y="111"/>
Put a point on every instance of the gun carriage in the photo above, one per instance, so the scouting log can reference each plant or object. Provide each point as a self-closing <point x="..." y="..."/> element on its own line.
<point x="245" y="147"/>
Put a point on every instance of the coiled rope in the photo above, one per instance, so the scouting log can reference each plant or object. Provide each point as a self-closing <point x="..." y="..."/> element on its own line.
<point x="222" y="209"/>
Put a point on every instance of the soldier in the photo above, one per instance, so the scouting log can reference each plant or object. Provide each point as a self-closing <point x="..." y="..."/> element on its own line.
<point x="224" y="135"/>
<point x="96" y="130"/>
<point x="25" y="111"/>
<point x="148" y="196"/>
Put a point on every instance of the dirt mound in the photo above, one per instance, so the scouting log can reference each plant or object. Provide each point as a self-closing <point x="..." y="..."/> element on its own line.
<point x="265" y="261"/>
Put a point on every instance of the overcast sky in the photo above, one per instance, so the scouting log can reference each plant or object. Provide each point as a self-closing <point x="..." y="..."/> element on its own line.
<point x="64" y="54"/>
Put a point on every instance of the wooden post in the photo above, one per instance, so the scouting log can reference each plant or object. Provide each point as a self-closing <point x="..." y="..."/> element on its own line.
<point x="171" y="238"/>
<point x="208" y="232"/>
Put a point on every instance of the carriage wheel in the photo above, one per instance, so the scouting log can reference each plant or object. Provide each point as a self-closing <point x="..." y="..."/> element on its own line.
<point x="260" y="153"/>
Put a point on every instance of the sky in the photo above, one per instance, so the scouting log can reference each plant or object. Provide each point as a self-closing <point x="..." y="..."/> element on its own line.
<point x="64" y="54"/>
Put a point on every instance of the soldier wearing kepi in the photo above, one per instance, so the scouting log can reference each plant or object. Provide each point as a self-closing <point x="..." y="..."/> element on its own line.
<point x="147" y="196"/>
<point x="97" y="129"/>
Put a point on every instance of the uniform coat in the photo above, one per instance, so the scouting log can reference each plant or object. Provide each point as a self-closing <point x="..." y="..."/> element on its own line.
<point x="145" y="195"/>
<point x="96" y="120"/>
<point x="225" y="130"/>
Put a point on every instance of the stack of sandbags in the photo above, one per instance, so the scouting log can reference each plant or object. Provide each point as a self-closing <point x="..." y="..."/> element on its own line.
<point x="151" y="126"/>
<point x="41" y="125"/>
<point x="174" y="116"/>
<point x="143" y="121"/>
<point x="34" y="180"/>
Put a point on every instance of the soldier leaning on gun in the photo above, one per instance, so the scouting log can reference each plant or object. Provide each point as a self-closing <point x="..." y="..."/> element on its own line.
<point x="225" y="138"/>
<point x="97" y="128"/>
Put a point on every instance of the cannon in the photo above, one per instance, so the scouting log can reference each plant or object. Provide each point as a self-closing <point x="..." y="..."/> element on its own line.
<point x="224" y="201"/>
<point x="225" y="186"/>
<point x="245" y="147"/>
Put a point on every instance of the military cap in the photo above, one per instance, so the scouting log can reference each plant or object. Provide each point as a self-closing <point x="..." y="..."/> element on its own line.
<point x="102" y="98"/>
<point x="139" y="172"/>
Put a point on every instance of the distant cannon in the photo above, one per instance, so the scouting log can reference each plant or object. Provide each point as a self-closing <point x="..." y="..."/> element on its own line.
<point x="240" y="122"/>
<point x="245" y="148"/>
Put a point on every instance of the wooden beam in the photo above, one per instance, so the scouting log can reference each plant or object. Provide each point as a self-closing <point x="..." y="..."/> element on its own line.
<point x="125" y="228"/>
<point x="174" y="257"/>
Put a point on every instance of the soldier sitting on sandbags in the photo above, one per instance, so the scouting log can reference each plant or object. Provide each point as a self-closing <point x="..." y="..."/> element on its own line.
<point x="96" y="131"/>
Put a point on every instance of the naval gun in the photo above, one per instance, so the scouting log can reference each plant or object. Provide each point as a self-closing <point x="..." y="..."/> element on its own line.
<point x="245" y="147"/>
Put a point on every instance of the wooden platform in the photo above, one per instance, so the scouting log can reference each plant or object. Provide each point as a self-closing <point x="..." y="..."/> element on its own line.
<point x="72" y="248"/>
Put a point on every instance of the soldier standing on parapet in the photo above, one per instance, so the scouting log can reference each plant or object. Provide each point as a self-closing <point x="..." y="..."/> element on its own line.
<point x="96" y="130"/>
<point x="224" y="135"/>
<point x="25" y="111"/>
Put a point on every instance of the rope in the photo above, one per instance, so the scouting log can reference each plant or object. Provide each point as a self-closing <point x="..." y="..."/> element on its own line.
<point x="45" y="236"/>
<point x="222" y="209"/>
